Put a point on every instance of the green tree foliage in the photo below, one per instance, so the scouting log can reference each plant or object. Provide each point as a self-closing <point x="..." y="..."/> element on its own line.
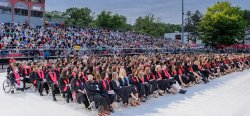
<point x="153" y="26"/>
<point x="84" y="17"/>
<point x="222" y="24"/>
<point x="191" y="25"/>
<point x="78" y="16"/>
<point x="107" y="20"/>
<point x="247" y="16"/>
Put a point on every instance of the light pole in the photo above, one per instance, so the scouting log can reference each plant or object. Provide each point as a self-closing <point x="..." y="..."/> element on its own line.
<point x="182" y="25"/>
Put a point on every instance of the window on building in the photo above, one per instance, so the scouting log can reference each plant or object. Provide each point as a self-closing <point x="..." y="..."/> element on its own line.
<point x="178" y="37"/>
<point x="22" y="12"/>
<point x="5" y="10"/>
<point x="36" y="14"/>
<point x="40" y="1"/>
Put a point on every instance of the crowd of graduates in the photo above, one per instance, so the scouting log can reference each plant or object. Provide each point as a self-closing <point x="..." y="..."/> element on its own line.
<point x="126" y="79"/>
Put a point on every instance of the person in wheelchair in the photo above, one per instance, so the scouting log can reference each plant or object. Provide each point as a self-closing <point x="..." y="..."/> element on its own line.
<point x="16" y="80"/>
<point x="78" y="89"/>
<point x="52" y="80"/>
<point x="64" y="85"/>
<point x="37" y="77"/>
<point x="10" y="68"/>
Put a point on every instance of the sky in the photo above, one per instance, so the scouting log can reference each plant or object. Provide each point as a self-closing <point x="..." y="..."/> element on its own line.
<point x="169" y="11"/>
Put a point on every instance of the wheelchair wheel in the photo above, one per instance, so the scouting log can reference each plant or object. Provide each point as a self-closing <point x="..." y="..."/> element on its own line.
<point x="7" y="87"/>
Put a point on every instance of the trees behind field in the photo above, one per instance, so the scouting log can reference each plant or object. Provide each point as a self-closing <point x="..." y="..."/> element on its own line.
<point x="223" y="24"/>
<point x="191" y="25"/>
<point x="84" y="17"/>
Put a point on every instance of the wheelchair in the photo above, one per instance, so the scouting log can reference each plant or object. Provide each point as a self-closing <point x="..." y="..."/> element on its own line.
<point x="8" y="86"/>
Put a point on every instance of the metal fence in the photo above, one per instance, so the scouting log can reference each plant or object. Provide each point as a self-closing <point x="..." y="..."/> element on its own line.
<point x="65" y="52"/>
<point x="38" y="53"/>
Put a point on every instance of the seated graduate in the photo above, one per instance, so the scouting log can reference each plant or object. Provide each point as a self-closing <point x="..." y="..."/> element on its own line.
<point x="78" y="89"/>
<point x="150" y="78"/>
<point x="52" y="80"/>
<point x="93" y="93"/>
<point x="106" y="90"/>
<point x="37" y="77"/>
<point x="64" y="85"/>
<point x="142" y="80"/>
<point x="15" y="79"/>
<point x="163" y="84"/>
<point x="24" y="70"/>
<point x="123" y="90"/>
<point x="135" y="82"/>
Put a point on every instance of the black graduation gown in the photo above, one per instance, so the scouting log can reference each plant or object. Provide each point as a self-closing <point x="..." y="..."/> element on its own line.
<point x="147" y="86"/>
<point x="135" y="81"/>
<point x="34" y="77"/>
<point x="93" y="93"/>
<point x="9" y="69"/>
<point x="76" y="85"/>
<point x="150" y="78"/>
<point x="104" y="86"/>
<point x="122" y="91"/>
<point x="163" y="84"/>
<point x="62" y="85"/>
<point x="53" y="83"/>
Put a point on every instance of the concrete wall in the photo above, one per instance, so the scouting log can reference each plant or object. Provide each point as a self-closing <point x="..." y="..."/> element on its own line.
<point x="36" y="21"/>
<point x="5" y="18"/>
<point x="20" y="19"/>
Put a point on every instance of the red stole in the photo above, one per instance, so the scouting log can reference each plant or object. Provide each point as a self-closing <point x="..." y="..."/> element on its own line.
<point x="142" y="79"/>
<point x="166" y="73"/>
<point x="17" y="76"/>
<point x="153" y="76"/>
<point x="30" y="69"/>
<point x="41" y="74"/>
<point x="84" y="77"/>
<point x="77" y="83"/>
<point x="59" y="70"/>
<point x="74" y="74"/>
<point x="179" y="71"/>
<point x="25" y="70"/>
<point x="66" y="82"/>
<point x="53" y="77"/>
<point x="148" y="77"/>
<point x="190" y="69"/>
<point x="133" y="79"/>
<point x="104" y="83"/>
<point x="159" y="74"/>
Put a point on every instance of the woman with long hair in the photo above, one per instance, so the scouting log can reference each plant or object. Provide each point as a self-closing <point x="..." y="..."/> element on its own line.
<point x="64" y="85"/>
<point x="122" y="91"/>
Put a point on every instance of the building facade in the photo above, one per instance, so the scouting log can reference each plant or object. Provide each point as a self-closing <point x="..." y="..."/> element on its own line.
<point x="177" y="36"/>
<point x="22" y="11"/>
